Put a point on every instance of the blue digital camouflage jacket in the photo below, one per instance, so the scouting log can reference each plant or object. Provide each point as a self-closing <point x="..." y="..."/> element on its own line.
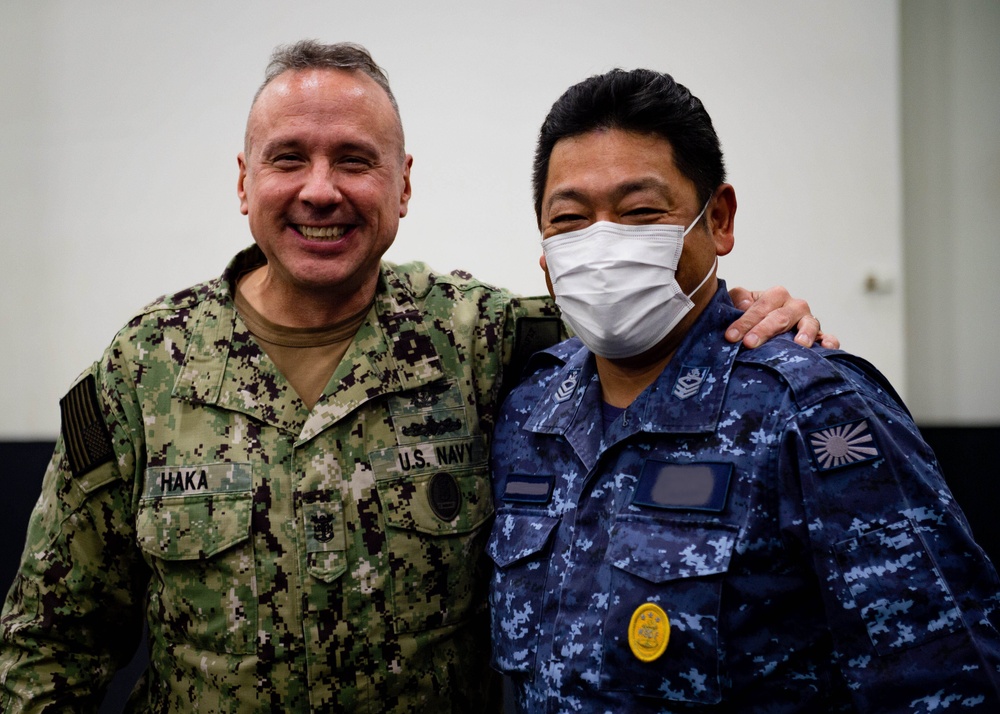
<point x="760" y="531"/>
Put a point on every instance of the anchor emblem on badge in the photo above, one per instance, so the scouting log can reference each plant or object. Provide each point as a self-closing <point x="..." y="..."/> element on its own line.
<point x="648" y="632"/>
<point x="322" y="527"/>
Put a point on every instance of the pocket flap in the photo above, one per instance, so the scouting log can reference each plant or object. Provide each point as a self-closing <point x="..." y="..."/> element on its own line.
<point x="663" y="550"/>
<point x="193" y="527"/>
<point x="442" y="503"/>
<point x="516" y="536"/>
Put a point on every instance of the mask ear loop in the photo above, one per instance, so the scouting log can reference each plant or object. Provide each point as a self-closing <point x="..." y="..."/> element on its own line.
<point x="698" y="218"/>
<point x="705" y="279"/>
<point x="714" y="265"/>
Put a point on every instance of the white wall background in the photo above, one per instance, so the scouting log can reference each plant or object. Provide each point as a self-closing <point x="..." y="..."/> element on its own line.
<point x="951" y="150"/>
<point x="120" y="123"/>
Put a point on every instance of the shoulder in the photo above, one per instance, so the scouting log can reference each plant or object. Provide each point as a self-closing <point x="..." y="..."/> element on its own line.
<point x="455" y="301"/>
<point x="173" y="307"/>
<point x="542" y="366"/>
<point x="815" y="373"/>
<point x="421" y="281"/>
<point x="182" y="299"/>
<point x="159" y="335"/>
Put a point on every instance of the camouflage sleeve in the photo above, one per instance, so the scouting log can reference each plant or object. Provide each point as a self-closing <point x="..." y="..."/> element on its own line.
<point x="530" y="324"/>
<point x="911" y="600"/>
<point x="73" y="615"/>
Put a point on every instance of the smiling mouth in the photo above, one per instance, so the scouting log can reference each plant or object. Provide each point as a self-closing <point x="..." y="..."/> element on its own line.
<point x="330" y="233"/>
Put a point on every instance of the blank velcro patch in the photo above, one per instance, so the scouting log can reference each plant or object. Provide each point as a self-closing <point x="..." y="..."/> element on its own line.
<point x="85" y="436"/>
<point x="692" y="486"/>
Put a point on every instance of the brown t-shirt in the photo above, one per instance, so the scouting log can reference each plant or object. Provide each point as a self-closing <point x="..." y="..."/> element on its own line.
<point x="307" y="356"/>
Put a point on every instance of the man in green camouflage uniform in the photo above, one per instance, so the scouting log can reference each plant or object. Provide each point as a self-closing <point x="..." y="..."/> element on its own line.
<point x="288" y="553"/>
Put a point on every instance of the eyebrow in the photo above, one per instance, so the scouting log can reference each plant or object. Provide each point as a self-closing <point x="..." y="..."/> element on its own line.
<point x="349" y="146"/>
<point x="620" y="191"/>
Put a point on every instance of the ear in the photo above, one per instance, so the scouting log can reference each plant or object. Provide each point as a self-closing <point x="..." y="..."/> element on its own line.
<point x="241" y="190"/>
<point x="548" y="281"/>
<point x="722" y="217"/>
<point x="404" y="198"/>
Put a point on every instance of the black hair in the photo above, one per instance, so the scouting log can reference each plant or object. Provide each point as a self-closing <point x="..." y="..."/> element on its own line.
<point x="643" y="101"/>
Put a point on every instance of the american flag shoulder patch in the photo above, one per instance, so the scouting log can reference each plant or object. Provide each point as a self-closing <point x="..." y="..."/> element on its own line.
<point x="843" y="445"/>
<point x="85" y="436"/>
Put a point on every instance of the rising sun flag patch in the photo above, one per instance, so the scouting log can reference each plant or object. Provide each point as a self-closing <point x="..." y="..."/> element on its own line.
<point x="843" y="445"/>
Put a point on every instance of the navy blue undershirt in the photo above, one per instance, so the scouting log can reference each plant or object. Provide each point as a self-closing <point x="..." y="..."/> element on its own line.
<point x="609" y="413"/>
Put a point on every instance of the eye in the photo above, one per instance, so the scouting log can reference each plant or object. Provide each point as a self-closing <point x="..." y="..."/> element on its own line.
<point x="566" y="218"/>
<point x="643" y="213"/>
<point x="286" y="160"/>
<point x="354" y="163"/>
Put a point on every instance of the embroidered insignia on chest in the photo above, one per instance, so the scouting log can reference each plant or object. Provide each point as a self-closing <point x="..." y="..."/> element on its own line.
<point x="322" y="527"/>
<point x="445" y="496"/>
<point x="429" y="396"/>
<point x="843" y="445"/>
<point x="432" y="427"/>
<point x="568" y="386"/>
<point x="689" y="381"/>
<point x="648" y="632"/>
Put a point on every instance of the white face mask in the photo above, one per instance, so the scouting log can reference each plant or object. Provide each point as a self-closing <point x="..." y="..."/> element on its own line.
<point x="616" y="285"/>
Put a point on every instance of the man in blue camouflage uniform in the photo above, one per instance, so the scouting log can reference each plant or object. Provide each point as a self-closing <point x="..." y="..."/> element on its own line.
<point x="283" y="471"/>
<point x="684" y="525"/>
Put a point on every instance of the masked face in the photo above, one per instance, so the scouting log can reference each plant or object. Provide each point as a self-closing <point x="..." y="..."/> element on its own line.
<point x="616" y="284"/>
<point x="619" y="260"/>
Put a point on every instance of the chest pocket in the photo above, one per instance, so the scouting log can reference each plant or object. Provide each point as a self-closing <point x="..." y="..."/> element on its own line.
<point x="518" y="547"/>
<point x="203" y="589"/>
<point x="678" y="565"/>
<point x="436" y="501"/>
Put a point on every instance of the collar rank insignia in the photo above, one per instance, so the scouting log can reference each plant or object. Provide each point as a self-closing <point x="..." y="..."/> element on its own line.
<point x="843" y="445"/>
<point x="567" y="387"/>
<point x="689" y="381"/>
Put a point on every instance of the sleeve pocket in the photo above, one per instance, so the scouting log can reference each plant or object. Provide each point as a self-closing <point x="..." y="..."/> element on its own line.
<point x="897" y="588"/>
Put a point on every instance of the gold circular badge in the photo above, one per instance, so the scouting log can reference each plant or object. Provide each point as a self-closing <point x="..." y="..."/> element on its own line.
<point x="648" y="632"/>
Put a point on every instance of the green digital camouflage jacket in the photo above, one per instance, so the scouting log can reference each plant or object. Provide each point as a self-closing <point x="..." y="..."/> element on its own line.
<point x="284" y="559"/>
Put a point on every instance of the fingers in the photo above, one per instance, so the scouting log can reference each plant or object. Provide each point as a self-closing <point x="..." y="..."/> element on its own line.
<point x="742" y="298"/>
<point x="809" y="330"/>
<point x="772" y="312"/>
<point x="828" y="340"/>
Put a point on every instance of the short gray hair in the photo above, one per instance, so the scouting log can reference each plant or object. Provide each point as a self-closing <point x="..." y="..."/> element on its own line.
<point x="311" y="54"/>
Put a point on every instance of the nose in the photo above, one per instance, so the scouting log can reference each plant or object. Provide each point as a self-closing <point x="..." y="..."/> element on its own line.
<point x="320" y="187"/>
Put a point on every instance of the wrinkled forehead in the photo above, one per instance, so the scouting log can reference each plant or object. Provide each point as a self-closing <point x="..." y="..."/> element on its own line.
<point x="327" y="90"/>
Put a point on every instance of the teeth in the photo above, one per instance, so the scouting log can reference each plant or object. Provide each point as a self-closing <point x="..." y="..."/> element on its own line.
<point x="321" y="232"/>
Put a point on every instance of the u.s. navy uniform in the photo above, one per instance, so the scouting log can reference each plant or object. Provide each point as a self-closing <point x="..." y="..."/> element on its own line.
<point x="760" y="531"/>
<point x="287" y="559"/>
